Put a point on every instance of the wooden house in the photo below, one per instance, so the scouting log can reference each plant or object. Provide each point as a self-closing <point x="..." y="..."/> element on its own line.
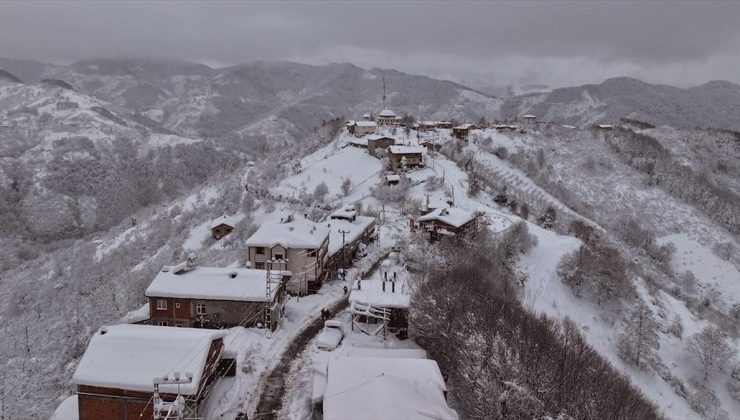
<point x="529" y="121"/>
<point x="115" y="377"/>
<point x="362" y="128"/>
<point x="222" y="226"/>
<point x="444" y="124"/>
<point x="375" y="142"/>
<point x="446" y="221"/>
<point x="461" y="132"/>
<point x="217" y="297"/>
<point x="404" y="157"/>
<point x="300" y="243"/>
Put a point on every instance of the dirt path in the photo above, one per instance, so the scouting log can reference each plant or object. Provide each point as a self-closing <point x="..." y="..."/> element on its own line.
<point x="271" y="398"/>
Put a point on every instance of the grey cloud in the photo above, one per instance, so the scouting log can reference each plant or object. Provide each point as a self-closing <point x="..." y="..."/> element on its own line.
<point x="511" y="40"/>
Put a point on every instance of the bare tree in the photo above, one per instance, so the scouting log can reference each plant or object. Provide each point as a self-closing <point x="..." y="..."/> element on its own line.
<point x="640" y="338"/>
<point x="710" y="348"/>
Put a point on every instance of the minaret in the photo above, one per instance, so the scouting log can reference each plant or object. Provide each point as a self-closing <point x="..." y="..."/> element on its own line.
<point x="384" y="91"/>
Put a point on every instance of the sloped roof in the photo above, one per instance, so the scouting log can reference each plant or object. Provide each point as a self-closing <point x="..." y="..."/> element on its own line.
<point x="215" y="283"/>
<point x="225" y="220"/>
<point x="298" y="233"/>
<point x="400" y="150"/>
<point x="130" y="356"/>
<point x="365" y="124"/>
<point x="453" y="216"/>
<point x="387" y="113"/>
<point x="384" y="388"/>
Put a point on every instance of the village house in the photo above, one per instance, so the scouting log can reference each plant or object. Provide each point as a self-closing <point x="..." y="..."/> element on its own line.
<point x="392" y="179"/>
<point x="300" y="243"/>
<point x="444" y="124"/>
<point x="361" y="128"/>
<point x="529" y="121"/>
<point x="360" y="387"/>
<point x="427" y="126"/>
<point x="348" y="234"/>
<point x="404" y="157"/>
<point x="375" y="142"/>
<point x="217" y="297"/>
<point x="461" y="132"/>
<point x="360" y="142"/>
<point x="223" y="226"/>
<point x="604" y="126"/>
<point x="389" y="118"/>
<point x="447" y="221"/>
<point x="115" y="377"/>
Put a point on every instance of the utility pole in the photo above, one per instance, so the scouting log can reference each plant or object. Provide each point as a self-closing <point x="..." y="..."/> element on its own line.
<point x="344" y="252"/>
<point x="384" y="91"/>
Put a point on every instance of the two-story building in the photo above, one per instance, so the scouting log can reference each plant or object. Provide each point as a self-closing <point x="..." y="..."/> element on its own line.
<point x="405" y="157"/>
<point x="377" y="142"/>
<point x="300" y="243"/>
<point x="387" y="117"/>
<point x="362" y="128"/>
<point x="217" y="297"/>
<point x="461" y="132"/>
<point x="115" y="377"/>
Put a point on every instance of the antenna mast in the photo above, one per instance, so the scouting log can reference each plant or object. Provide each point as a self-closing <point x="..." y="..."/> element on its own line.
<point x="383" y="91"/>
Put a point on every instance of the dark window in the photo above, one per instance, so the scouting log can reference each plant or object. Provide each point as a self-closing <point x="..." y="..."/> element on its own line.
<point x="259" y="265"/>
<point x="278" y="256"/>
<point x="260" y="251"/>
<point x="161" y="304"/>
<point x="163" y="323"/>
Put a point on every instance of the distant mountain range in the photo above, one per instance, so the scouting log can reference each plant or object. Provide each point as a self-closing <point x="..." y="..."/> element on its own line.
<point x="284" y="100"/>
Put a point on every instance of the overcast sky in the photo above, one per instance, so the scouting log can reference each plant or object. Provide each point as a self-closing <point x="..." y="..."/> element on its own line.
<point x="556" y="43"/>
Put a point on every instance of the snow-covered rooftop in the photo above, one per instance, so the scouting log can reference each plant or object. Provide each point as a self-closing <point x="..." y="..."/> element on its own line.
<point x="365" y="124"/>
<point x="392" y="178"/>
<point x="355" y="230"/>
<point x="464" y="127"/>
<point x="371" y="293"/>
<point x="359" y="141"/>
<point x="216" y="283"/>
<point x="400" y="150"/>
<point x="382" y="388"/>
<point x="346" y="212"/>
<point x="387" y="113"/>
<point x="130" y="356"/>
<point x="453" y="216"/>
<point x="606" y="126"/>
<point x="378" y="137"/>
<point x="225" y="220"/>
<point x="529" y="116"/>
<point x="296" y="233"/>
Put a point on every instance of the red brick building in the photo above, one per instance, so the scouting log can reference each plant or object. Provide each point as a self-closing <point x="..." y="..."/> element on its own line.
<point x="115" y="375"/>
<point x="216" y="297"/>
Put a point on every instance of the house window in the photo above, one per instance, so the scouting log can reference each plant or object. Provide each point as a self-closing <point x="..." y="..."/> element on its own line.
<point x="178" y="324"/>
<point x="278" y="257"/>
<point x="163" y="323"/>
<point x="161" y="304"/>
<point x="259" y="265"/>
<point x="200" y="309"/>
<point x="260" y="251"/>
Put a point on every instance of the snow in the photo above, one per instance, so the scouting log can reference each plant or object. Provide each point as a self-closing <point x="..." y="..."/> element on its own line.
<point x="67" y="410"/>
<point x="401" y="150"/>
<point x="215" y="283"/>
<point x="529" y="116"/>
<point x="130" y="356"/>
<point x="354" y="231"/>
<point x="385" y="388"/>
<point x="225" y="220"/>
<point x="393" y="178"/>
<point x="452" y="216"/>
<point x="709" y="270"/>
<point x="296" y="233"/>
<point x="365" y="124"/>
<point x="370" y="292"/>
<point x="136" y="315"/>
<point x="347" y="212"/>
<point x="387" y="113"/>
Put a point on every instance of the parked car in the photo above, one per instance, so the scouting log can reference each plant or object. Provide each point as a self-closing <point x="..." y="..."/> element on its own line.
<point x="331" y="335"/>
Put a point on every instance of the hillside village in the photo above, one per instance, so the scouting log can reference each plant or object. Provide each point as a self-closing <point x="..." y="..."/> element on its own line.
<point x="215" y="328"/>
<point x="294" y="287"/>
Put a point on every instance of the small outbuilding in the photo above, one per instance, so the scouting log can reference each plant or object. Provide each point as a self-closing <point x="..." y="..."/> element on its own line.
<point x="362" y="128"/>
<point x="223" y="226"/>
